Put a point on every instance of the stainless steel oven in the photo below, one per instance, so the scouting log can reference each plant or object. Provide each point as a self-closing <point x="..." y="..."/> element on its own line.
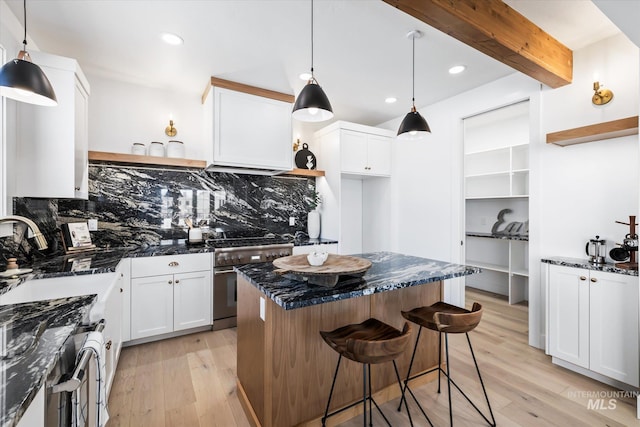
<point x="225" y="294"/>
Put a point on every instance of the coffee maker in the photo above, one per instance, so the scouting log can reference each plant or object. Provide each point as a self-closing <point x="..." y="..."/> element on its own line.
<point x="596" y="249"/>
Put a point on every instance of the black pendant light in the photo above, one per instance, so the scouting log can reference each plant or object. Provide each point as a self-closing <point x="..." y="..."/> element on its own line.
<point x="414" y="126"/>
<point x="24" y="81"/>
<point x="312" y="104"/>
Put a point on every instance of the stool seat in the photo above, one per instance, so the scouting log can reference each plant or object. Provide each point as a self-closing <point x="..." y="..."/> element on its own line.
<point x="444" y="317"/>
<point x="371" y="341"/>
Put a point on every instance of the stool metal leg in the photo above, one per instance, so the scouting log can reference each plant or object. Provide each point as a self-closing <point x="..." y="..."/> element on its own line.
<point x="364" y="393"/>
<point x="413" y="355"/>
<point x="440" y="358"/>
<point x="333" y="384"/>
<point x="446" y="349"/>
<point x="395" y="368"/>
<point x="370" y="398"/>
<point x="475" y="362"/>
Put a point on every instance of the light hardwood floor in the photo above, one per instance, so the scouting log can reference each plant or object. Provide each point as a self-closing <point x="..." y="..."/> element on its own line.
<point x="190" y="381"/>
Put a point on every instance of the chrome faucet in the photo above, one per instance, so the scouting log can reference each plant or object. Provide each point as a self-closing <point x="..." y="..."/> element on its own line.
<point x="41" y="242"/>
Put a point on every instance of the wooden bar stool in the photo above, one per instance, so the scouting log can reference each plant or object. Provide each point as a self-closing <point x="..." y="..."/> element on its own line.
<point x="448" y="319"/>
<point x="369" y="342"/>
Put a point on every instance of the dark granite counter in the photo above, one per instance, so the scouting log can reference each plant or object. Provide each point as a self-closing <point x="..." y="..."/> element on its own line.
<point x="389" y="271"/>
<point x="583" y="263"/>
<point x="105" y="260"/>
<point x="498" y="236"/>
<point x="32" y="335"/>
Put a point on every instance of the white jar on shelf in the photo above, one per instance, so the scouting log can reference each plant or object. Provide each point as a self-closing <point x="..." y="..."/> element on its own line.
<point x="139" y="149"/>
<point x="156" y="149"/>
<point x="175" y="149"/>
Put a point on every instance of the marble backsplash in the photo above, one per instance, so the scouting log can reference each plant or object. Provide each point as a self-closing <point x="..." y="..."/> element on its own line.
<point x="138" y="206"/>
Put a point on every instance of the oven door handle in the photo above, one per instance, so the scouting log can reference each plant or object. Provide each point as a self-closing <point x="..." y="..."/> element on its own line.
<point x="216" y="272"/>
<point x="78" y="373"/>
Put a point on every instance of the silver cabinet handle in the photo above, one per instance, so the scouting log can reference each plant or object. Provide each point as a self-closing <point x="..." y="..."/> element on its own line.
<point x="594" y="280"/>
<point x="173" y="264"/>
<point x="583" y="278"/>
<point x="170" y="282"/>
<point x="177" y="281"/>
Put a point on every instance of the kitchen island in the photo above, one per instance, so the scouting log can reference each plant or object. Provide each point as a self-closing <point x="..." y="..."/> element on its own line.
<point x="285" y="368"/>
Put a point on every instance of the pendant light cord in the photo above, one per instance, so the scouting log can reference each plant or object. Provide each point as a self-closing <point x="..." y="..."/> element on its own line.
<point x="311" y="40"/>
<point x="413" y="72"/>
<point x="24" y="41"/>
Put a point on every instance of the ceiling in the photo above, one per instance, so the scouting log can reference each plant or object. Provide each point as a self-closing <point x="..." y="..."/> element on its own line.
<point x="361" y="53"/>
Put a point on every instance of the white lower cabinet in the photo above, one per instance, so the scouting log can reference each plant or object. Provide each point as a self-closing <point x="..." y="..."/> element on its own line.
<point x="593" y="321"/>
<point x="168" y="303"/>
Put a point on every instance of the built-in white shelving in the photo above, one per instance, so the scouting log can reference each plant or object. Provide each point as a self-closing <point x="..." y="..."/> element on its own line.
<point x="496" y="177"/>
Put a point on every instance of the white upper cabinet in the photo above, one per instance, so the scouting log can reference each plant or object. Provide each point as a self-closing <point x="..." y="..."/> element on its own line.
<point x="251" y="126"/>
<point x="52" y="142"/>
<point x="364" y="150"/>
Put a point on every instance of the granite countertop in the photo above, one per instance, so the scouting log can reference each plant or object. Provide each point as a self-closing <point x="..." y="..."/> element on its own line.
<point x="105" y="260"/>
<point x="498" y="236"/>
<point x="583" y="263"/>
<point x="389" y="271"/>
<point x="32" y="333"/>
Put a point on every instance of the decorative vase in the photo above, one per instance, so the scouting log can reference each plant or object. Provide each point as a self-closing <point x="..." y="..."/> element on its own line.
<point x="313" y="224"/>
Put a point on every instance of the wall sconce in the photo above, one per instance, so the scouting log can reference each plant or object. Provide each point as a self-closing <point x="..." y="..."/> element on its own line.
<point x="170" y="130"/>
<point x="601" y="96"/>
<point x="296" y="145"/>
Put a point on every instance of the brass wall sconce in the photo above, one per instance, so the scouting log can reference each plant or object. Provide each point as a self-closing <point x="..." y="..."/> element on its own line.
<point x="296" y="145"/>
<point x="601" y="96"/>
<point x="170" y="130"/>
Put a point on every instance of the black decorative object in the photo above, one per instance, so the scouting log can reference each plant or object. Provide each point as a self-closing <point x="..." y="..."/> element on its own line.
<point x="305" y="159"/>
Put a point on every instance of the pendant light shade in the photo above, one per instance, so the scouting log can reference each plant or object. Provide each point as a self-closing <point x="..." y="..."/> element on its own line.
<point x="414" y="126"/>
<point x="24" y="81"/>
<point x="312" y="104"/>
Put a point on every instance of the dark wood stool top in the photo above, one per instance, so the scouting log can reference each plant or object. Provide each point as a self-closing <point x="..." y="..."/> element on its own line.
<point x="371" y="341"/>
<point x="445" y="317"/>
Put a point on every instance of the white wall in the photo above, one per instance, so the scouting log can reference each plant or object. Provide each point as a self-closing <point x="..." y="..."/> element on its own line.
<point x="427" y="216"/>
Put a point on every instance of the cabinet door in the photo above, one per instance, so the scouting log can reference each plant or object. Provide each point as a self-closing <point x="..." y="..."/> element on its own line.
<point x="251" y="131"/>
<point x="151" y="306"/>
<point x="379" y="155"/>
<point x="353" y="152"/>
<point x="614" y="326"/>
<point x="81" y="153"/>
<point x="113" y="329"/>
<point x="192" y="300"/>
<point x="569" y="314"/>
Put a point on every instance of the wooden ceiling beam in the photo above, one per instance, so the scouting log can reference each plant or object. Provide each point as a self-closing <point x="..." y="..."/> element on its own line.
<point x="497" y="30"/>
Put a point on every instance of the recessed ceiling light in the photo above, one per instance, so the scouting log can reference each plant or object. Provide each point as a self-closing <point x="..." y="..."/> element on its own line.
<point x="390" y="100"/>
<point x="172" y="39"/>
<point x="457" y="69"/>
<point x="305" y="76"/>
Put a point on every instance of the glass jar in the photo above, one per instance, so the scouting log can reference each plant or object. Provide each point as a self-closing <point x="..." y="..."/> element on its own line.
<point x="175" y="149"/>
<point x="138" y="148"/>
<point x="156" y="149"/>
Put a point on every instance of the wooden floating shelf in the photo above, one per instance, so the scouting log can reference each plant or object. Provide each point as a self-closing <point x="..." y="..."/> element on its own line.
<point x="306" y="172"/>
<point x="102" y="156"/>
<point x="607" y="130"/>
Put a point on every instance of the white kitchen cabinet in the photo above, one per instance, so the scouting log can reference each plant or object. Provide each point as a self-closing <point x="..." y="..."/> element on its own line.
<point x="356" y="202"/>
<point x="52" y="153"/>
<point x="365" y="153"/>
<point x="179" y="299"/>
<point x="113" y="311"/>
<point x="593" y="321"/>
<point x="251" y="126"/>
<point x="34" y="416"/>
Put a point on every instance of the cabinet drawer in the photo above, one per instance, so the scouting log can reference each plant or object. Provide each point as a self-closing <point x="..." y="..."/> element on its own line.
<point x="170" y="264"/>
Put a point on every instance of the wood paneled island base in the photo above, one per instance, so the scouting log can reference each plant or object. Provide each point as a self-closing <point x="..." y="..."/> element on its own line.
<point x="285" y="368"/>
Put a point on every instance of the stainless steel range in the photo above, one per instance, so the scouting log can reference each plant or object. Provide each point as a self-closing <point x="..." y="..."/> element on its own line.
<point x="233" y="252"/>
